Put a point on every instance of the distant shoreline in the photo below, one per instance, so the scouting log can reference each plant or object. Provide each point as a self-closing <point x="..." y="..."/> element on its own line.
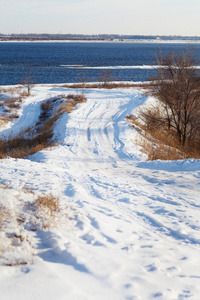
<point x="105" y="41"/>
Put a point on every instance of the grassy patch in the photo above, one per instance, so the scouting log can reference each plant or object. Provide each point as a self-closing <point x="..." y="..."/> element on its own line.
<point x="10" y="102"/>
<point x="160" y="142"/>
<point x="46" y="209"/>
<point x="70" y="102"/>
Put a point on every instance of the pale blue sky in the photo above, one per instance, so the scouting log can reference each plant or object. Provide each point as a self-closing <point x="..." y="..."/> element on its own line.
<point x="172" y="17"/>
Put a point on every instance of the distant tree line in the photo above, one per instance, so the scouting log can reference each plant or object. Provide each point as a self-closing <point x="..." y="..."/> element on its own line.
<point x="59" y="36"/>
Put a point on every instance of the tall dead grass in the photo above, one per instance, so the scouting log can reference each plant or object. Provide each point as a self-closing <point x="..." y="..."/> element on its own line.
<point x="70" y="102"/>
<point x="10" y="105"/>
<point x="46" y="209"/>
<point x="19" y="147"/>
<point x="157" y="150"/>
<point x="48" y="203"/>
<point x="43" y="212"/>
<point x="3" y="213"/>
<point x="15" y="90"/>
<point x="160" y="143"/>
<point x="3" y="120"/>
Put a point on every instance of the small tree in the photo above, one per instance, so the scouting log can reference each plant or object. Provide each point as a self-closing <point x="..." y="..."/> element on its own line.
<point x="105" y="77"/>
<point x="82" y="80"/>
<point x="28" y="82"/>
<point x="177" y="87"/>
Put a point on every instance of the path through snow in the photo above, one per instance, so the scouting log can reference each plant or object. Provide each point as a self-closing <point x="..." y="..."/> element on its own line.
<point x="135" y="230"/>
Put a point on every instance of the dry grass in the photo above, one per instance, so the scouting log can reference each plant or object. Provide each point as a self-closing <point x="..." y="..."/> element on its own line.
<point x="46" y="105"/>
<point x="160" y="143"/>
<point x="28" y="190"/>
<point x="2" y="216"/>
<point x="5" y="216"/>
<point x="157" y="150"/>
<point x="67" y="103"/>
<point x="78" y="98"/>
<point x="45" y="212"/>
<point x="10" y="107"/>
<point x="108" y="85"/>
<point x="71" y="101"/>
<point x="13" y="116"/>
<point x="136" y="123"/>
<point x="10" y="90"/>
<point x="66" y="107"/>
<point x="13" y="103"/>
<point x="23" y="94"/>
<point x="5" y="186"/>
<point x="3" y="120"/>
<point x="19" y="147"/>
<point x="48" y="204"/>
<point x="17" y="90"/>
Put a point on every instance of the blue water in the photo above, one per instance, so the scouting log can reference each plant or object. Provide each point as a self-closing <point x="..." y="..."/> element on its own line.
<point x="57" y="62"/>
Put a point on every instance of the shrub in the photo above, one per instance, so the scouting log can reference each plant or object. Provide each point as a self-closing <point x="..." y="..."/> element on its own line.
<point x="47" y="203"/>
<point x="178" y="92"/>
<point x="44" y="211"/>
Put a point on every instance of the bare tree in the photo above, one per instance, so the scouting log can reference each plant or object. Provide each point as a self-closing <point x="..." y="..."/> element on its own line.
<point x="177" y="87"/>
<point x="28" y="82"/>
<point x="82" y="80"/>
<point x="105" y="77"/>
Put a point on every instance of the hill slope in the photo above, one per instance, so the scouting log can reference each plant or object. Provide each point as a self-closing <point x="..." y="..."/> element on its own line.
<point x="126" y="228"/>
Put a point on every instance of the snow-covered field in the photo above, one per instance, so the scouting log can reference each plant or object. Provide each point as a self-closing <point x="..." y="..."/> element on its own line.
<point x="127" y="228"/>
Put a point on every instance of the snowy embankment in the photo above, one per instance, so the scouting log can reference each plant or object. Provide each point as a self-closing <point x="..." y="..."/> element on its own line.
<point x="128" y="229"/>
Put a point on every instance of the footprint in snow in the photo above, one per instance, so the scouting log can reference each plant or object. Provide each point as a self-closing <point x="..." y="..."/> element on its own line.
<point x="124" y="200"/>
<point x="69" y="191"/>
<point x="109" y="239"/>
<point x="151" y="268"/>
<point x="94" y="222"/>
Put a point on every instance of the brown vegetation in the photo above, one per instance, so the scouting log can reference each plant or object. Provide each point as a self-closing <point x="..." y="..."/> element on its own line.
<point x="160" y="143"/>
<point x="10" y="102"/>
<point x="46" y="208"/>
<point x="109" y="85"/>
<point x="3" y="215"/>
<point x="70" y="102"/>
<point x="44" y="212"/>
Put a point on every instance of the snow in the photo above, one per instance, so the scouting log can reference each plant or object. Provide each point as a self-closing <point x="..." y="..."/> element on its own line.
<point x="127" y="228"/>
<point x="111" y="67"/>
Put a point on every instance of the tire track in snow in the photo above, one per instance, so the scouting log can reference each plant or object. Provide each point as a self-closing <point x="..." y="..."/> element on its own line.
<point x="101" y="127"/>
<point x="131" y="221"/>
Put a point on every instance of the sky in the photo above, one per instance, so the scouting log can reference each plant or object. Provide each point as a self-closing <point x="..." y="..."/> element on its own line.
<point x="143" y="17"/>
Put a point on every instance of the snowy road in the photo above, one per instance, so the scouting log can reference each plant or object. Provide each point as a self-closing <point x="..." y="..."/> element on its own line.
<point x="135" y="229"/>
